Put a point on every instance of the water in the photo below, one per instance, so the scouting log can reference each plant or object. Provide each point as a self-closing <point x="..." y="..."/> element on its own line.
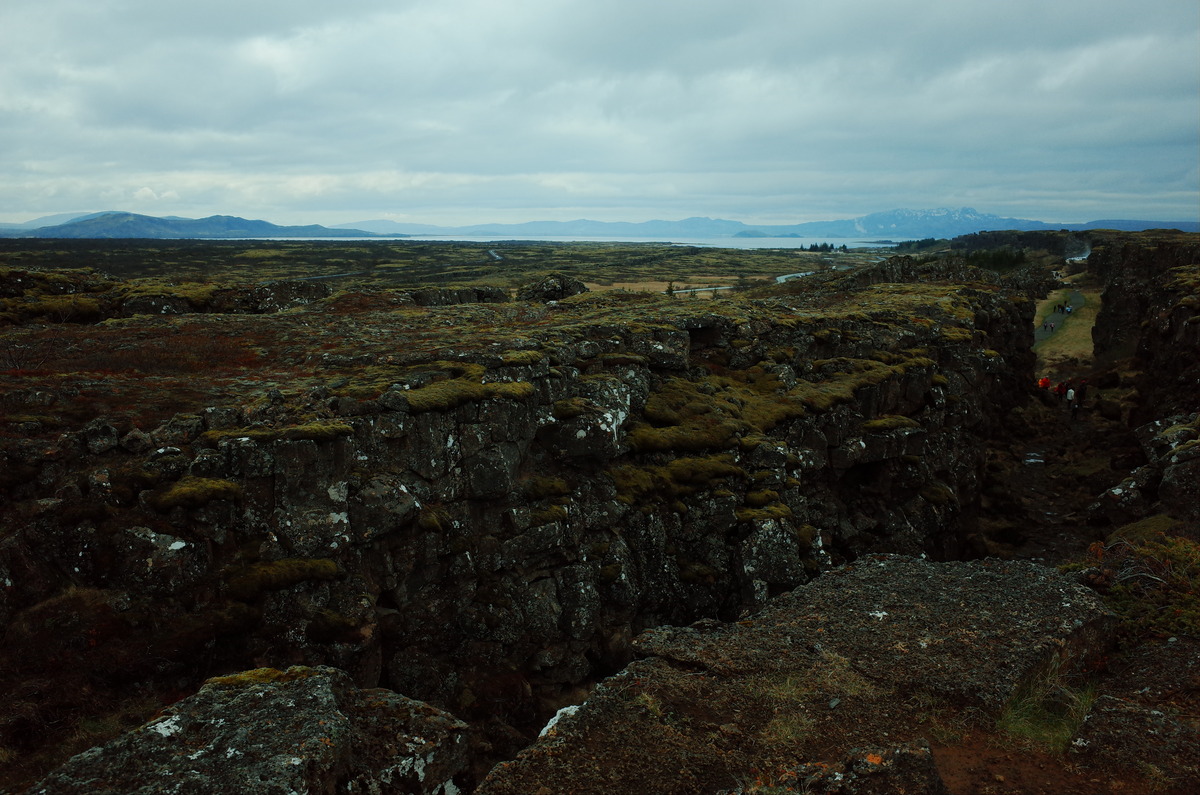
<point x="701" y="242"/>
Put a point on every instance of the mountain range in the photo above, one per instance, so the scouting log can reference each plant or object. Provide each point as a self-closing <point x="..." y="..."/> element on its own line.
<point x="132" y="225"/>
<point x="901" y="224"/>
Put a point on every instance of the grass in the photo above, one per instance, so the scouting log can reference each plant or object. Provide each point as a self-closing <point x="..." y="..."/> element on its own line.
<point x="1072" y="339"/>
<point x="1048" y="710"/>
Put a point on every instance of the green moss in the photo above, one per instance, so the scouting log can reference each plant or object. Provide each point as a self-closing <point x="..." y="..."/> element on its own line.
<point x="549" y="515"/>
<point x="806" y="534"/>
<point x="538" y="488"/>
<point x="263" y="676"/>
<point x="569" y="408"/>
<point x="248" y="582"/>
<point x="679" y="477"/>
<point x="434" y="519"/>
<point x="1155" y="583"/>
<point x="193" y="492"/>
<point x="937" y="493"/>
<point x="774" y="511"/>
<point x="759" y="499"/>
<point x="313" y="431"/>
<point x="889" y="422"/>
<point x="450" y="394"/>
<point x="1149" y="529"/>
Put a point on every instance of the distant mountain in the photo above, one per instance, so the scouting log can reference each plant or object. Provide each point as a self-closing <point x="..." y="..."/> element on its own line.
<point x="941" y="223"/>
<point x="47" y="220"/>
<point x="688" y="227"/>
<point x="132" y="225"/>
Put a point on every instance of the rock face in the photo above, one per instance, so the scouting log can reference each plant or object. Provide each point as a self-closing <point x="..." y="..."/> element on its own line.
<point x="486" y="526"/>
<point x="1150" y="311"/>
<point x="554" y="287"/>
<point x="269" y="731"/>
<point x="865" y="652"/>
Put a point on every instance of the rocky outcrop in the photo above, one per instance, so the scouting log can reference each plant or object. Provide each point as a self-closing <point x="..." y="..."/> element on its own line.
<point x="1150" y="312"/>
<point x="486" y="523"/>
<point x="553" y="287"/>
<point x="871" y="650"/>
<point x="269" y="731"/>
<point x="1167" y="484"/>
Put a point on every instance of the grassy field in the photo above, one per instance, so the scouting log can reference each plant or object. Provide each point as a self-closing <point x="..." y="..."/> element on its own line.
<point x="1069" y="348"/>
<point x="411" y="263"/>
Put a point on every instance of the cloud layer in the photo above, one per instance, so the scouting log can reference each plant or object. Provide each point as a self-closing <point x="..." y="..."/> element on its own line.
<point x="469" y="110"/>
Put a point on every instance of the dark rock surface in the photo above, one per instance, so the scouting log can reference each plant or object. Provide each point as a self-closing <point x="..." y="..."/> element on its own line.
<point x="867" y="651"/>
<point x="270" y="732"/>
<point x="553" y="287"/>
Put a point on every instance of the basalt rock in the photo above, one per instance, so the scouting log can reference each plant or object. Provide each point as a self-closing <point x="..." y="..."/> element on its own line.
<point x="487" y="526"/>
<point x="866" y="651"/>
<point x="1150" y="311"/>
<point x="269" y="731"/>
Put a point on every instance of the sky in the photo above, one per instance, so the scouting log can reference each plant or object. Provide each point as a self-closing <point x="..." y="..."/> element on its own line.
<point x="472" y="111"/>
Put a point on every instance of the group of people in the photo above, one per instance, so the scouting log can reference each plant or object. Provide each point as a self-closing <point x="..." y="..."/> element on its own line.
<point x="1059" y="309"/>
<point x="1067" y="392"/>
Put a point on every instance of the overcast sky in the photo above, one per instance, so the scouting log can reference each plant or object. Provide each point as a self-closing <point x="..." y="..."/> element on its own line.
<point x="460" y="111"/>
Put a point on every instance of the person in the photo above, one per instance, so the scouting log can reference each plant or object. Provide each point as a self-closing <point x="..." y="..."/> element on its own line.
<point x="1081" y="392"/>
<point x="1061" y="391"/>
<point x="1044" y="382"/>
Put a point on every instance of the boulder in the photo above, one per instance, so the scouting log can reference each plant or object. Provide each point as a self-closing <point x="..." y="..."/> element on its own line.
<point x="270" y="731"/>
<point x="553" y="287"/>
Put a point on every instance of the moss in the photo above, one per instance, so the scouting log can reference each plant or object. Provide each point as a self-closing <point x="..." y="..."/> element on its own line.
<point x="806" y="534"/>
<point x="1149" y="529"/>
<point x="537" y="488"/>
<point x="264" y="676"/>
<point x="1155" y="583"/>
<point x="312" y="431"/>
<point x="679" y="477"/>
<point x="716" y="434"/>
<point x="773" y="511"/>
<point x="193" y="492"/>
<point x="249" y="582"/>
<point x="759" y="499"/>
<point x="937" y="493"/>
<point x="549" y="515"/>
<point x="939" y="380"/>
<point x="434" y="519"/>
<point x="450" y="394"/>
<point x="569" y="408"/>
<point x="889" y="422"/>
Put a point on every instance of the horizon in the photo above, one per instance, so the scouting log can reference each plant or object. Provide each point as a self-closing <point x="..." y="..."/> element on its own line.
<point x="447" y="113"/>
<point x="661" y="219"/>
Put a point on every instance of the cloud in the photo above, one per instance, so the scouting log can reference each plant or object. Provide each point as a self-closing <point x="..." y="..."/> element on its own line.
<point x="478" y="111"/>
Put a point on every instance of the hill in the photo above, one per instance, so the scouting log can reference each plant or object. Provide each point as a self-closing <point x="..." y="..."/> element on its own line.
<point x="941" y="223"/>
<point x="132" y="225"/>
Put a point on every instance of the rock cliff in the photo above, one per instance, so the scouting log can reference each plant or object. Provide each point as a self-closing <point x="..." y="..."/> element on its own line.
<point x="480" y="505"/>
